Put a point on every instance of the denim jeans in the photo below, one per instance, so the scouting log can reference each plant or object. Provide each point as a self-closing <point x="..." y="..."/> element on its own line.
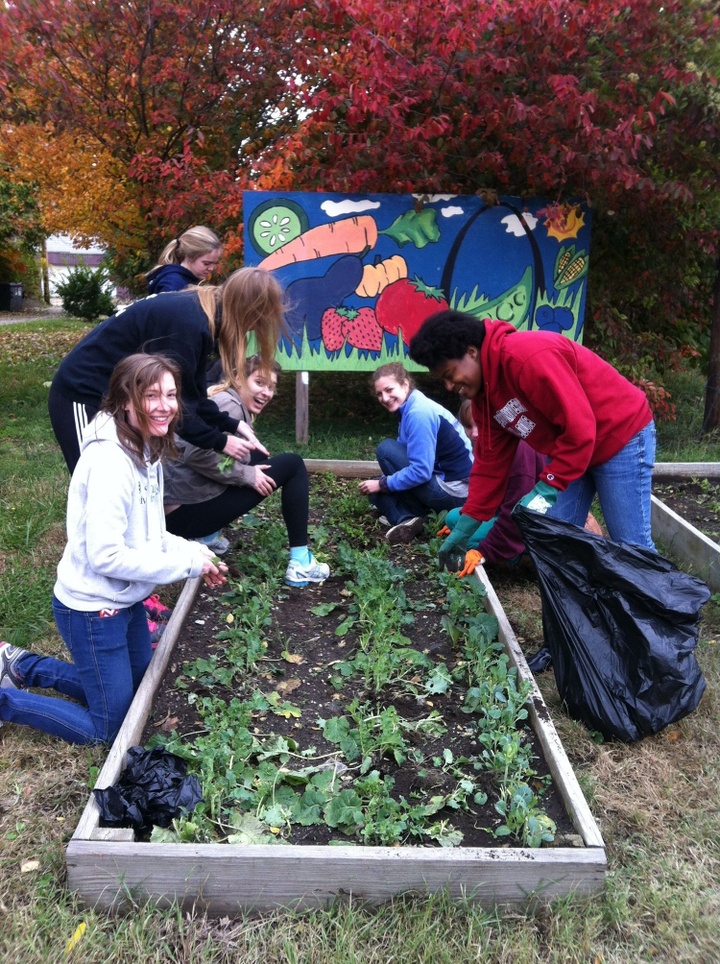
<point x="623" y="485"/>
<point x="408" y="503"/>
<point x="110" y="655"/>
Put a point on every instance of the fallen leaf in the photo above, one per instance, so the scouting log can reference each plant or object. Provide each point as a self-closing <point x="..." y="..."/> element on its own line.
<point x="287" y="686"/>
<point x="27" y="866"/>
<point x="292" y="657"/>
<point x="79" y="931"/>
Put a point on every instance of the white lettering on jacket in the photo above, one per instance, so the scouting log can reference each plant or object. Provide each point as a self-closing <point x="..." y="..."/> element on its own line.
<point x="511" y="417"/>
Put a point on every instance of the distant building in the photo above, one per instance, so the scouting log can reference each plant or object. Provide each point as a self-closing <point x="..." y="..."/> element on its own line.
<point x="62" y="255"/>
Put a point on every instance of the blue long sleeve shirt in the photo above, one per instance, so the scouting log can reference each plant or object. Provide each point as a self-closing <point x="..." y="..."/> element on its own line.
<point x="435" y="441"/>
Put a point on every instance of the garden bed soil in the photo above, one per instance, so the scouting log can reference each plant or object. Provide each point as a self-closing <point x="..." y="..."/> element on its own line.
<point x="303" y="653"/>
<point x="309" y="640"/>
<point x="695" y="500"/>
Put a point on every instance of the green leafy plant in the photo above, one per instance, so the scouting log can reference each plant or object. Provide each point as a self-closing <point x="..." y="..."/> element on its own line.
<point x="84" y="293"/>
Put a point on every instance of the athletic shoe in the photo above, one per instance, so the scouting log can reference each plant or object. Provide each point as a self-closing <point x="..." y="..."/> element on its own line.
<point x="405" y="532"/>
<point x="297" y="575"/>
<point x="156" y="630"/>
<point x="9" y="655"/>
<point x="217" y="542"/>
<point x="383" y="521"/>
<point x="155" y="609"/>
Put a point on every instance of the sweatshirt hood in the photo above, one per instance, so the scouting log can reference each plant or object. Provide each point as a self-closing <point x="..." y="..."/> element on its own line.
<point x="101" y="429"/>
<point x="173" y="276"/>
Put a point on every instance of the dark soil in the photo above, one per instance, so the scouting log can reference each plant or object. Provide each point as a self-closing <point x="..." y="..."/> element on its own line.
<point x="696" y="500"/>
<point x="297" y="632"/>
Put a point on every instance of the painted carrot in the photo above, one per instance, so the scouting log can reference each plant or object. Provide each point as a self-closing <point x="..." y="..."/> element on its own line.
<point x="349" y="236"/>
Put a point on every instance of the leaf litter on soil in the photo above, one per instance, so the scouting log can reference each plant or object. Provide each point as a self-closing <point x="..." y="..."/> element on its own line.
<point x="338" y="713"/>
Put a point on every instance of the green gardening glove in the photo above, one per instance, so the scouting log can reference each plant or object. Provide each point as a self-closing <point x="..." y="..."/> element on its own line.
<point x="453" y="549"/>
<point x="541" y="498"/>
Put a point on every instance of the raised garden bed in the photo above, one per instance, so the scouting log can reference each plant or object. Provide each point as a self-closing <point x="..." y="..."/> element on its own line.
<point x="109" y="868"/>
<point x="686" y="517"/>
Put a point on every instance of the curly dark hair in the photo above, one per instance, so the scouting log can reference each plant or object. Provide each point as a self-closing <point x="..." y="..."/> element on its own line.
<point x="446" y="335"/>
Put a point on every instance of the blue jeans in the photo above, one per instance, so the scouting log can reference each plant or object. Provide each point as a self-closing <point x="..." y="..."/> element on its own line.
<point x="408" y="503"/>
<point x="110" y="655"/>
<point x="623" y="485"/>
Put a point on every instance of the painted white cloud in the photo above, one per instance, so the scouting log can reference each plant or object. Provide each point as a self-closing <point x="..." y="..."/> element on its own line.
<point x="334" y="208"/>
<point x="434" y="198"/>
<point x="513" y="224"/>
<point x="451" y="212"/>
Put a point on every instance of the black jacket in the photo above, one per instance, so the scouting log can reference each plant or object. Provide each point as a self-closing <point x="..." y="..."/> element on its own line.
<point x="172" y="324"/>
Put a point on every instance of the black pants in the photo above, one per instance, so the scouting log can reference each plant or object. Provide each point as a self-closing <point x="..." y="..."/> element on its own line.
<point x="68" y="420"/>
<point x="289" y="473"/>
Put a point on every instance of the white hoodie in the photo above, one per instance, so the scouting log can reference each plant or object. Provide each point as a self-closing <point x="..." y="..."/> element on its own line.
<point x="118" y="548"/>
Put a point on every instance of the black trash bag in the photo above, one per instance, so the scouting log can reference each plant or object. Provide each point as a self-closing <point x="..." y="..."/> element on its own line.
<point x="621" y="623"/>
<point x="151" y="791"/>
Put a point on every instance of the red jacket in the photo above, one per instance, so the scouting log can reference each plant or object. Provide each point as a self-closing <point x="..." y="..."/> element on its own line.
<point x="560" y="397"/>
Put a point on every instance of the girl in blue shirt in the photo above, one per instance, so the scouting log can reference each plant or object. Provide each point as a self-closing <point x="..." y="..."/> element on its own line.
<point x="426" y="468"/>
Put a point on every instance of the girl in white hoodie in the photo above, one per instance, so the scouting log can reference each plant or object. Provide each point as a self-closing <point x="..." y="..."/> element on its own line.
<point x="117" y="551"/>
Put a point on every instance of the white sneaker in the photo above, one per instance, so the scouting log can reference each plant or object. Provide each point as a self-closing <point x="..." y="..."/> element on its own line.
<point x="405" y="532"/>
<point x="217" y="542"/>
<point x="9" y="655"/>
<point x="297" y="575"/>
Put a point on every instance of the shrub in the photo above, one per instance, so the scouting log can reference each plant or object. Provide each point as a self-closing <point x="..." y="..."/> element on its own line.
<point x="83" y="293"/>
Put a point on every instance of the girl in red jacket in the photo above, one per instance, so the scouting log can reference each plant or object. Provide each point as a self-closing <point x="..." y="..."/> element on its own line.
<point x="594" y="427"/>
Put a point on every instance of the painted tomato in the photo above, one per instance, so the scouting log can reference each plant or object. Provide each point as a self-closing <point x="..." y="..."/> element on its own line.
<point x="404" y="305"/>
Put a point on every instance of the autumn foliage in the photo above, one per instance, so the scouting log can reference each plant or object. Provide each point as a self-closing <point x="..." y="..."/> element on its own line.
<point x="137" y="119"/>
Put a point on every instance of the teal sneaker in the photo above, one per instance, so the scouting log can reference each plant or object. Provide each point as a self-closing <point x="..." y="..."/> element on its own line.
<point x="300" y="576"/>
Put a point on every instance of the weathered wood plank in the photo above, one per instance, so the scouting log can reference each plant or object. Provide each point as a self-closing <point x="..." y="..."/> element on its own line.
<point x="134" y="723"/>
<point x="351" y="469"/>
<point x="344" y="469"/>
<point x="686" y="470"/>
<point x="686" y="543"/>
<point x="225" y="879"/>
<point x="562" y="772"/>
<point x="302" y="407"/>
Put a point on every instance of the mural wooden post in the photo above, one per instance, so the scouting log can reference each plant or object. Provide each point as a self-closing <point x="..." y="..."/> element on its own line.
<point x="302" y="407"/>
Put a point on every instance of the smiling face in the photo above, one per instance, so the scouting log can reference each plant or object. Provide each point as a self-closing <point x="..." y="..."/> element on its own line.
<point x="160" y="406"/>
<point x="258" y="390"/>
<point x="203" y="266"/>
<point x="391" y="393"/>
<point x="461" y="375"/>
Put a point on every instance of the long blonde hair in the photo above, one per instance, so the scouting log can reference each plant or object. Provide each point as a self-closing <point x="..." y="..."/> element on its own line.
<point x="251" y="300"/>
<point x="191" y="244"/>
<point x="252" y="364"/>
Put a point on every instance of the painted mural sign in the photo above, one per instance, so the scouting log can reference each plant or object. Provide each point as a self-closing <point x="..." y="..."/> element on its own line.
<point x="362" y="272"/>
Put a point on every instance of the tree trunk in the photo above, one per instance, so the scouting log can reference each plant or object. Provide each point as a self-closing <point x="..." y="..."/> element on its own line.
<point x="711" y="419"/>
<point x="45" y="274"/>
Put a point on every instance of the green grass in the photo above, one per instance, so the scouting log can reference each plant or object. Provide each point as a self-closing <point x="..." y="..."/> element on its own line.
<point x="657" y="802"/>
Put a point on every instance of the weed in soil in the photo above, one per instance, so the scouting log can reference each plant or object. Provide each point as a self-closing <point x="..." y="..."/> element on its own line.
<point x="377" y="708"/>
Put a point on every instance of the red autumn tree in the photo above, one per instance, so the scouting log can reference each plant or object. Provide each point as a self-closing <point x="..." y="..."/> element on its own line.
<point x="165" y="92"/>
<point x="615" y="102"/>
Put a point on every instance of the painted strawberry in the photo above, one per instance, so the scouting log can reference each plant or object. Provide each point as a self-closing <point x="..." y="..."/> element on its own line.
<point x="361" y="328"/>
<point x="332" y="329"/>
<point x="406" y="304"/>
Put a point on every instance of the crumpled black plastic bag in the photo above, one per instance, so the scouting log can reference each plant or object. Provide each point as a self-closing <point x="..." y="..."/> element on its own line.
<point x="151" y="791"/>
<point x="621" y="623"/>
